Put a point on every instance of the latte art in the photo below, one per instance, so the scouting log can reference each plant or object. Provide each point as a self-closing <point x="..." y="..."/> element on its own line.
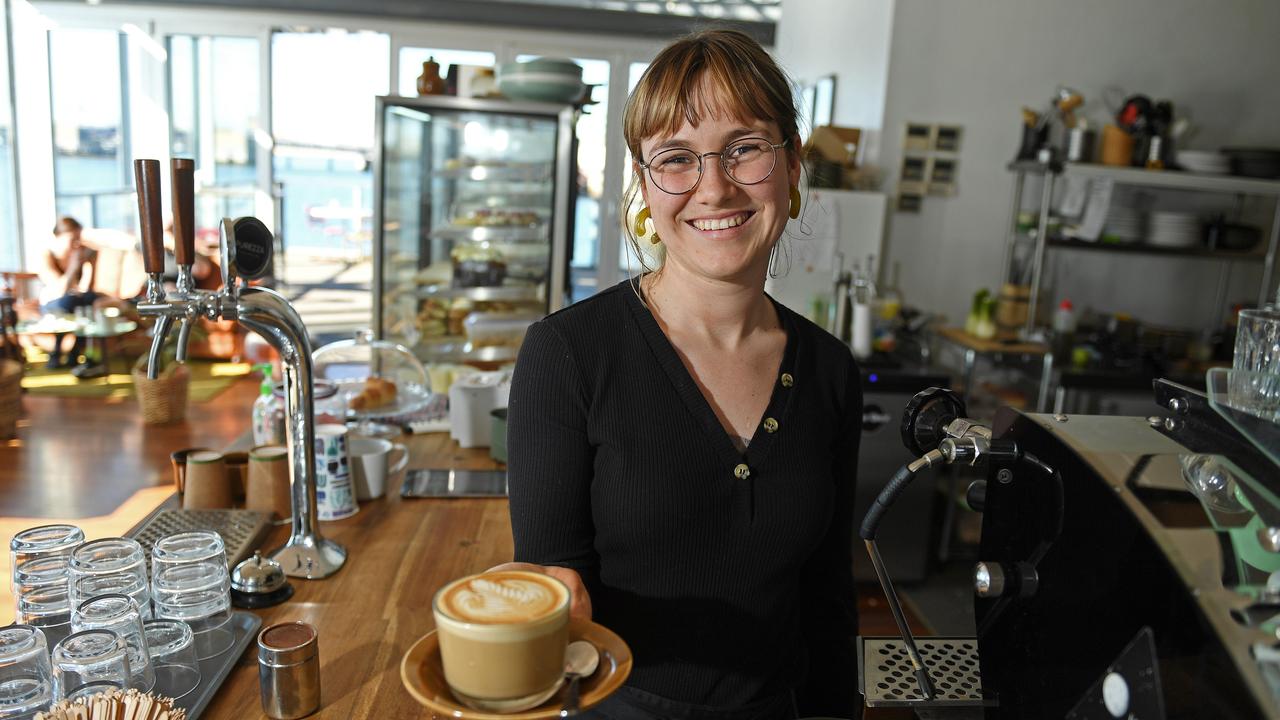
<point x="500" y="598"/>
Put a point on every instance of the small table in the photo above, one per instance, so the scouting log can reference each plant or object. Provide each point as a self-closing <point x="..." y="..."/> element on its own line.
<point x="99" y="332"/>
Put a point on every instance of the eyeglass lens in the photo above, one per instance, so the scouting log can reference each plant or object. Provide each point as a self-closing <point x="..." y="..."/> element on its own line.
<point x="746" y="162"/>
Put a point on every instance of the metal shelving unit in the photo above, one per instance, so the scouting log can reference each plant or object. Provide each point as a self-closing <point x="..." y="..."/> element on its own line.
<point x="1160" y="179"/>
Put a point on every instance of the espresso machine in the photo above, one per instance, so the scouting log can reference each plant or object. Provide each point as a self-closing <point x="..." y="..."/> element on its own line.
<point x="246" y="247"/>
<point x="1129" y="566"/>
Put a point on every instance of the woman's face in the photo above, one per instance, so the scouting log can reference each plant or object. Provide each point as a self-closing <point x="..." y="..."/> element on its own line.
<point x="721" y="230"/>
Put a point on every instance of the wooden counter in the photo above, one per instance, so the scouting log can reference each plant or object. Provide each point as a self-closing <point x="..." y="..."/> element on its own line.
<point x="372" y="610"/>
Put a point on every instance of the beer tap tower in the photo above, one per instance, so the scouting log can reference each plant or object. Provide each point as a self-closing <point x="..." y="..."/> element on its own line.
<point x="246" y="254"/>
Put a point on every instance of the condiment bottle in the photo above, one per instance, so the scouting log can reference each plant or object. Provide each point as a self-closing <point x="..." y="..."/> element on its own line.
<point x="289" y="670"/>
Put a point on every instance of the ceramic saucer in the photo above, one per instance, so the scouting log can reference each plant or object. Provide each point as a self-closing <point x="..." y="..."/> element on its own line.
<point x="423" y="677"/>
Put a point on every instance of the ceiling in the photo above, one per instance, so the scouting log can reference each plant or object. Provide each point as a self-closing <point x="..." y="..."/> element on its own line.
<point x="631" y="18"/>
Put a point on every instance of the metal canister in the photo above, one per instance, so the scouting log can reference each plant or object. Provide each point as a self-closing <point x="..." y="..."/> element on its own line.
<point x="289" y="670"/>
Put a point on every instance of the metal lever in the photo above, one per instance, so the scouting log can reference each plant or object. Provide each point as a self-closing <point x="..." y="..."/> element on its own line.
<point x="147" y="177"/>
<point x="182" y="183"/>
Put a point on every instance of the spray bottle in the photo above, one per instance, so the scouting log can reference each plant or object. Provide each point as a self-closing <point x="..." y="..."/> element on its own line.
<point x="264" y="427"/>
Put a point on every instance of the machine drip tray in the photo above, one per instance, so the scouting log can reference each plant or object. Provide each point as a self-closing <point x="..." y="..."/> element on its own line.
<point x="888" y="680"/>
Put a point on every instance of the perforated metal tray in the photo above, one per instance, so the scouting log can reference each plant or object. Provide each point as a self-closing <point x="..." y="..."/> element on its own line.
<point x="888" y="680"/>
<point x="242" y="530"/>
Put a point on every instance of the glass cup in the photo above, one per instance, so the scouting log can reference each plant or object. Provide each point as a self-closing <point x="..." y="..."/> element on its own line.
<point x="173" y="656"/>
<point x="43" y="541"/>
<point x="197" y="593"/>
<point x="119" y="613"/>
<point x="38" y="577"/>
<point x="109" y="566"/>
<point x="40" y="596"/>
<point x="1258" y="341"/>
<point x="188" y="547"/>
<point x="26" y="678"/>
<point x="89" y="662"/>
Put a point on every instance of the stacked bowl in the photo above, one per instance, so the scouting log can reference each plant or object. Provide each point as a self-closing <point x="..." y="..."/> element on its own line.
<point x="541" y="80"/>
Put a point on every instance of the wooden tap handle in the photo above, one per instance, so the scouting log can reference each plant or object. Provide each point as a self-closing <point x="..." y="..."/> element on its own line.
<point x="184" y="205"/>
<point x="147" y="176"/>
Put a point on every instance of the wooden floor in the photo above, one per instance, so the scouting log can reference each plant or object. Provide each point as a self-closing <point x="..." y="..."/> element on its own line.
<point x="90" y="458"/>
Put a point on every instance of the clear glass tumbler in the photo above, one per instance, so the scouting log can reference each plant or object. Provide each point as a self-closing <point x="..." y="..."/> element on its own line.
<point x="42" y="541"/>
<point x="119" y="613"/>
<point x="89" y="662"/>
<point x="173" y="655"/>
<point x="107" y="566"/>
<point x="26" y="678"/>
<point x="188" y="548"/>
<point x="40" y="596"/>
<point x="198" y="594"/>
<point x="1258" y="341"/>
<point x="38" y="564"/>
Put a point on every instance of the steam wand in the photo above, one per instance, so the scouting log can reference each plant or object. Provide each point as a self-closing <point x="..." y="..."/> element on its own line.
<point x="246" y="254"/>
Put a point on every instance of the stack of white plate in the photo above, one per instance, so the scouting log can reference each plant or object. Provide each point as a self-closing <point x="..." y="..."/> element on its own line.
<point x="1124" y="224"/>
<point x="1210" y="163"/>
<point x="1174" y="229"/>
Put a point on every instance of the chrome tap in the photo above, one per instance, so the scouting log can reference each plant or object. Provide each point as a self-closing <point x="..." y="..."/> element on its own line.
<point x="245" y="254"/>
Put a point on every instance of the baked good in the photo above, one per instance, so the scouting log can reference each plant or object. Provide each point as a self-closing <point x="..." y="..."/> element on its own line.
<point x="377" y="393"/>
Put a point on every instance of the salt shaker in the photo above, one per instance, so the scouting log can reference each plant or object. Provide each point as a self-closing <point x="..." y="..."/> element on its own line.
<point x="289" y="670"/>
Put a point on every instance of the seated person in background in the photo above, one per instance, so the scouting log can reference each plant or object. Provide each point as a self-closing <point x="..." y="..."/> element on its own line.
<point x="67" y="272"/>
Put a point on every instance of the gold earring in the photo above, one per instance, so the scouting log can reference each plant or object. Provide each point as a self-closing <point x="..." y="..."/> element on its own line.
<point x="640" y="218"/>
<point x="639" y="227"/>
<point x="795" y="202"/>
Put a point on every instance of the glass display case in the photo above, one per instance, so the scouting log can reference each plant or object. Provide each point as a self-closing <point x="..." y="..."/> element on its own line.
<point x="472" y="223"/>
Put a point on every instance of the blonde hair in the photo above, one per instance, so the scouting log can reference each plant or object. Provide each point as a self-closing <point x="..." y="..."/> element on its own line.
<point x="722" y="73"/>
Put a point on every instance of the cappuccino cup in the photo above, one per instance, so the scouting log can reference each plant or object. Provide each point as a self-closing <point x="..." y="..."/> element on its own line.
<point x="502" y="638"/>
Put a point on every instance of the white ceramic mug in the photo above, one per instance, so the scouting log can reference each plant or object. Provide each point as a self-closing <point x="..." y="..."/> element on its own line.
<point x="371" y="465"/>
<point x="335" y="496"/>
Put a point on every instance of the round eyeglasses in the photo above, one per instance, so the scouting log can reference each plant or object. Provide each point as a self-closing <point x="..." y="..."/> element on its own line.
<point x="747" y="162"/>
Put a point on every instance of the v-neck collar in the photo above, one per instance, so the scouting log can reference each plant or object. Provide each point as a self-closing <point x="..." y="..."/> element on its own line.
<point x="689" y="392"/>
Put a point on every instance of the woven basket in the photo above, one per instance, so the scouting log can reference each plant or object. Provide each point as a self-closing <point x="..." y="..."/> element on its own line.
<point x="10" y="397"/>
<point x="163" y="400"/>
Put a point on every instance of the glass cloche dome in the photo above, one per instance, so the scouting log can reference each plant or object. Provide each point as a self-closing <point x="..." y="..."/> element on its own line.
<point x="377" y="378"/>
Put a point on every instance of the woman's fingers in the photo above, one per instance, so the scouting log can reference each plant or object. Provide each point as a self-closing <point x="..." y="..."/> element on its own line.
<point x="579" y="598"/>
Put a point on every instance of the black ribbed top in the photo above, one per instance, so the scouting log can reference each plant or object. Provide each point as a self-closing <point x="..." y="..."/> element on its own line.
<point x="727" y="573"/>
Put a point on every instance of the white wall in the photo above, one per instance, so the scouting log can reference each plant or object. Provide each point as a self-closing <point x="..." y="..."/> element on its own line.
<point x="849" y="38"/>
<point x="977" y="62"/>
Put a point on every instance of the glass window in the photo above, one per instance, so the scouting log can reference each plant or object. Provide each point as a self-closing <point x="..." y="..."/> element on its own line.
<point x="627" y="261"/>
<point x="92" y="180"/>
<point x="323" y="90"/>
<point x="592" y="131"/>
<point x="411" y="59"/>
<point x="214" y="112"/>
<point x="323" y="86"/>
<point x="10" y="250"/>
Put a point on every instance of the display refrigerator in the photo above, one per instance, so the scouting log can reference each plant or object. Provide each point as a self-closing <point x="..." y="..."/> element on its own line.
<point x="472" y="223"/>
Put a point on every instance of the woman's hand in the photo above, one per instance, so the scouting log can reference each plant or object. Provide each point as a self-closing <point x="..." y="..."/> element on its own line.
<point x="579" y="600"/>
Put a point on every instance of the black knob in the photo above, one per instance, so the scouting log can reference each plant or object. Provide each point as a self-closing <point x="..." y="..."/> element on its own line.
<point x="926" y="417"/>
<point x="976" y="495"/>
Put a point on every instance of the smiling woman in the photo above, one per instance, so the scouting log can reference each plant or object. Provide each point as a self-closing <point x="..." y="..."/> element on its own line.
<point x="691" y="479"/>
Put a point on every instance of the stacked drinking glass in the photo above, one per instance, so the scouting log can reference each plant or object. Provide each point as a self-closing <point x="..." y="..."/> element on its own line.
<point x="120" y="614"/>
<point x="110" y="566"/>
<point x="190" y="582"/>
<point x="39" y="558"/>
<point x="26" y="679"/>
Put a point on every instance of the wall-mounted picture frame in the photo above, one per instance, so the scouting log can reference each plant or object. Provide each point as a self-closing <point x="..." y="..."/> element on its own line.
<point x="918" y="137"/>
<point x="947" y="138"/>
<point x="909" y="202"/>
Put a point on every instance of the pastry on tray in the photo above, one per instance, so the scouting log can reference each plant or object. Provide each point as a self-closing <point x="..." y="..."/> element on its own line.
<point x="377" y="393"/>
